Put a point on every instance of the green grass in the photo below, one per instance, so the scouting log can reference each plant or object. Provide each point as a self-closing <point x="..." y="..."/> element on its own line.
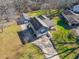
<point x="31" y="51"/>
<point x="42" y="12"/>
<point x="37" y="13"/>
<point x="64" y="40"/>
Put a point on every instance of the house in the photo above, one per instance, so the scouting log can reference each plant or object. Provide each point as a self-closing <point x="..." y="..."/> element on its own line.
<point x="39" y="24"/>
<point x="38" y="27"/>
<point x="71" y="18"/>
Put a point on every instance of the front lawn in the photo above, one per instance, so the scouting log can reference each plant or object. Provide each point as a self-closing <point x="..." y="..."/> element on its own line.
<point x="64" y="40"/>
<point x="30" y="51"/>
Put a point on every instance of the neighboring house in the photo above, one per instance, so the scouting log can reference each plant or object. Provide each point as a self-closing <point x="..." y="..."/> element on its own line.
<point x="24" y="19"/>
<point x="72" y="19"/>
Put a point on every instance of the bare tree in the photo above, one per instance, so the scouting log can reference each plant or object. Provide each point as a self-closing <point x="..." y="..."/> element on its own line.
<point x="6" y="10"/>
<point x="21" y="5"/>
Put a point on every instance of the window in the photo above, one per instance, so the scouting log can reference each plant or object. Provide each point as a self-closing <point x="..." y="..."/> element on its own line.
<point x="43" y="30"/>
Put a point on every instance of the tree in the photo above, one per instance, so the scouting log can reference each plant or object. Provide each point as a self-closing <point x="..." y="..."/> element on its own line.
<point x="7" y="10"/>
<point x="46" y="7"/>
<point x="21" y="5"/>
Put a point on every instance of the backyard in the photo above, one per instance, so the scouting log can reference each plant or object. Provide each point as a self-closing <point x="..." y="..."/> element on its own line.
<point x="65" y="40"/>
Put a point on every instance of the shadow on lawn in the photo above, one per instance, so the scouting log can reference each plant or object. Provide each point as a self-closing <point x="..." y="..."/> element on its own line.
<point x="77" y="57"/>
<point x="75" y="42"/>
<point x="67" y="51"/>
<point x="71" y="50"/>
<point x="63" y="23"/>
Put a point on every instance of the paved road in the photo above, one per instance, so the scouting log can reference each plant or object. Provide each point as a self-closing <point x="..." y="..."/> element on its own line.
<point x="47" y="47"/>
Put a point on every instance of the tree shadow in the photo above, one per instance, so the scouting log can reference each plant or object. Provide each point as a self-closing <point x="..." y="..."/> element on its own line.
<point x="71" y="50"/>
<point x="67" y="51"/>
<point x="77" y="57"/>
<point x="63" y="43"/>
<point x="63" y="23"/>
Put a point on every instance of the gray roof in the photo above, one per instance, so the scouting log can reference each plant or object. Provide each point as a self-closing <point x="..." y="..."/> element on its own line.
<point x="72" y="18"/>
<point x="40" y="21"/>
<point x="35" y="23"/>
<point x="46" y="20"/>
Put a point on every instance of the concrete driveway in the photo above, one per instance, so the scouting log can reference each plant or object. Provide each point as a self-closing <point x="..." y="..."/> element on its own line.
<point x="47" y="47"/>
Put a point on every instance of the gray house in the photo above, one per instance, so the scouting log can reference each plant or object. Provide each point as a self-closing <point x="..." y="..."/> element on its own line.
<point x="73" y="20"/>
<point x="39" y="24"/>
<point x="38" y="27"/>
<point x="47" y="21"/>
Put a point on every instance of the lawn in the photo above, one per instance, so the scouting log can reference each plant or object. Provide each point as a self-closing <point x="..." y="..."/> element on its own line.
<point x="9" y="41"/>
<point x="65" y="40"/>
<point x="30" y="51"/>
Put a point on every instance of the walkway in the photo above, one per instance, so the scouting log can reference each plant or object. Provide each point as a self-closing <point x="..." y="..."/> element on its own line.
<point x="47" y="47"/>
<point x="77" y="30"/>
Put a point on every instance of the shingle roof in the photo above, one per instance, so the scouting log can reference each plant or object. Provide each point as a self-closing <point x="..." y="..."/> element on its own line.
<point x="36" y="24"/>
<point x="46" y="20"/>
<point x="72" y="18"/>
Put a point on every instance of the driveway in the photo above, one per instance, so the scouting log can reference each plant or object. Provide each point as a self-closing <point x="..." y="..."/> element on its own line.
<point x="47" y="47"/>
<point x="77" y="30"/>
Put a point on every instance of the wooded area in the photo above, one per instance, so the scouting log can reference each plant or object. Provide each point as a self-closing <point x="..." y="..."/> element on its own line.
<point x="9" y="8"/>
